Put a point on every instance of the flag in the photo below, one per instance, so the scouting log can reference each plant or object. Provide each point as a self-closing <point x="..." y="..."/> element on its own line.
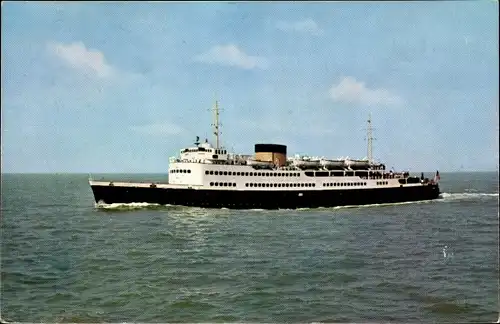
<point x="437" y="177"/>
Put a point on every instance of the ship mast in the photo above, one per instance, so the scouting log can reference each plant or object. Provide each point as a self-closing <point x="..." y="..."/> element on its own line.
<point x="369" y="137"/>
<point x="216" y="124"/>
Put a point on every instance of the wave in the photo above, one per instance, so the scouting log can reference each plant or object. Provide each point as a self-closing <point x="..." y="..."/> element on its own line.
<point x="466" y="195"/>
<point x="127" y="206"/>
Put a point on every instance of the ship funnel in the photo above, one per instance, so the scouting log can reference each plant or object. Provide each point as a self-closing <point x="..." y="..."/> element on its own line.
<point x="274" y="153"/>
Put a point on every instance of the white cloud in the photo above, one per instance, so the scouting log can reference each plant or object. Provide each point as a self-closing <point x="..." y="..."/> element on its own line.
<point x="159" y="129"/>
<point x="304" y="26"/>
<point x="79" y="57"/>
<point x="351" y="91"/>
<point x="231" y="55"/>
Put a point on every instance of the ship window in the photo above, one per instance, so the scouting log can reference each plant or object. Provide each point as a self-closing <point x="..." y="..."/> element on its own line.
<point x="225" y="172"/>
<point x="215" y="156"/>
<point x="237" y="173"/>
<point x="301" y="184"/>
<point x="251" y="184"/>
<point x="267" y="174"/>
<point x="189" y="171"/>
<point x="216" y="184"/>
<point x="246" y="184"/>
<point x="234" y="184"/>
<point x="246" y="174"/>
<point x="314" y="185"/>
<point x="211" y="184"/>
<point x="275" y="185"/>
<point x="216" y="172"/>
<point x="295" y="185"/>
<point x="322" y="174"/>
<point x="285" y="184"/>
<point x="211" y="172"/>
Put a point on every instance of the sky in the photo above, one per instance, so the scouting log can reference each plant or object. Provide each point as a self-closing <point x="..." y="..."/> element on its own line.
<point x="121" y="87"/>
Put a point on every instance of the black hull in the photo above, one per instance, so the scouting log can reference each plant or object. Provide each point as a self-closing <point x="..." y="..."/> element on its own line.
<point x="263" y="199"/>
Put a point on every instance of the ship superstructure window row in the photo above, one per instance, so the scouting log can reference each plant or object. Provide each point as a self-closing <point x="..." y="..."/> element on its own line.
<point x="344" y="184"/>
<point x="222" y="184"/>
<point x="279" y="185"/>
<point x="180" y="171"/>
<point x="253" y="174"/>
<point x="381" y="183"/>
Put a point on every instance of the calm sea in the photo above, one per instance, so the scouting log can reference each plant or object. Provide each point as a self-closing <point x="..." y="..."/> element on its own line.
<point x="65" y="260"/>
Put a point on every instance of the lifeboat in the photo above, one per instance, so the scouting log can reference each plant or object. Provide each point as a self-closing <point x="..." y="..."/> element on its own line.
<point x="306" y="163"/>
<point x="260" y="164"/>
<point x="332" y="164"/>
<point x="357" y="164"/>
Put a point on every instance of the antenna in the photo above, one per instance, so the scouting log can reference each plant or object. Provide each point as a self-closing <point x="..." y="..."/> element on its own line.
<point x="216" y="124"/>
<point x="369" y="137"/>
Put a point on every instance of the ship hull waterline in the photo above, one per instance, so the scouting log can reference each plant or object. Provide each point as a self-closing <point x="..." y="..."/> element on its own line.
<point x="259" y="199"/>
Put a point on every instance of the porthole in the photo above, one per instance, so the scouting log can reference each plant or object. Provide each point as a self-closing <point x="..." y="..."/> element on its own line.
<point x="225" y="172"/>
<point x="216" y="172"/>
<point x="314" y="185"/>
<point x="237" y="173"/>
<point x="216" y="184"/>
<point x="211" y="184"/>
<point x="229" y="173"/>
<point x="246" y="174"/>
<point x="234" y="184"/>
<point x="275" y="185"/>
<point x="246" y="184"/>
<point x="211" y="172"/>
<point x="251" y="184"/>
<point x="302" y="185"/>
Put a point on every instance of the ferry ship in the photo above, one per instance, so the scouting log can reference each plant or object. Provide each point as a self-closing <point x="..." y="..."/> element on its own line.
<point x="206" y="175"/>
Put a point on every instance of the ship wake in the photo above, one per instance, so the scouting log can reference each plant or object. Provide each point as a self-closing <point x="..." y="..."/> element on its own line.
<point x="445" y="196"/>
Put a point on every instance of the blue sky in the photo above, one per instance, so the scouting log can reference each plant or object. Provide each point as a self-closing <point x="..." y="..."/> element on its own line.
<point x="120" y="87"/>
